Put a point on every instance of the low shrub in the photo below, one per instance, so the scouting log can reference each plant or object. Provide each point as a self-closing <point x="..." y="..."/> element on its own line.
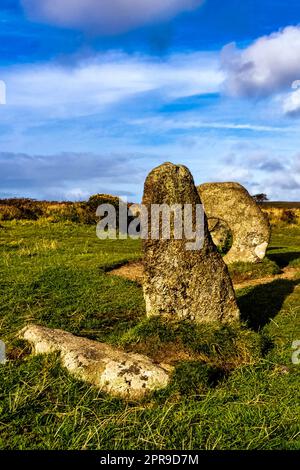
<point x="10" y="212"/>
<point x="282" y="215"/>
<point x="23" y="208"/>
<point x="289" y="217"/>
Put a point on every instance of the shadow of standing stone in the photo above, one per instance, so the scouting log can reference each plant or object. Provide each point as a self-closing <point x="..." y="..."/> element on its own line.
<point x="185" y="284"/>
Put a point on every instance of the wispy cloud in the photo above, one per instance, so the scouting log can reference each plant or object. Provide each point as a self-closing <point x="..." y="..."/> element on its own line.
<point x="190" y="124"/>
<point x="99" y="83"/>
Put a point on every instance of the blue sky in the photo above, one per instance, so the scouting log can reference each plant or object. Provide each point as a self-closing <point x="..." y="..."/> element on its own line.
<point x="98" y="92"/>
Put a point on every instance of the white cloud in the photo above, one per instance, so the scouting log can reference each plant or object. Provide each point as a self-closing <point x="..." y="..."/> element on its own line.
<point x="291" y="103"/>
<point x="95" y="85"/>
<point x="106" y="16"/>
<point x="283" y="182"/>
<point x="261" y="171"/>
<point x="234" y="173"/>
<point x="269" y="65"/>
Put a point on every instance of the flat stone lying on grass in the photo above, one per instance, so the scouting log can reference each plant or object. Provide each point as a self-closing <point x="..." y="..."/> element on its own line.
<point x="232" y="204"/>
<point x="124" y="374"/>
<point x="185" y="284"/>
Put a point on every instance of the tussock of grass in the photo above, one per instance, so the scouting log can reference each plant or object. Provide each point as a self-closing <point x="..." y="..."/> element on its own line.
<point x="240" y="272"/>
<point x="42" y="246"/>
<point x="192" y="378"/>
<point x="170" y="341"/>
<point x="21" y="247"/>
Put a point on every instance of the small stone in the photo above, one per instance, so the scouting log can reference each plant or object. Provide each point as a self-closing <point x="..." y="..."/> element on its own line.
<point x="114" y="371"/>
<point x="181" y="283"/>
<point x="232" y="204"/>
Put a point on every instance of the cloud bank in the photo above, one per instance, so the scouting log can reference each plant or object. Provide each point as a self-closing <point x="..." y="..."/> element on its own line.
<point x="262" y="172"/>
<point x="69" y="175"/>
<point x="106" y="16"/>
<point x="270" y="65"/>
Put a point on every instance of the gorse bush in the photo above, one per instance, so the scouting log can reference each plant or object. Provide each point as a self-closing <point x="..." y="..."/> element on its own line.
<point x="10" y="213"/>
<point x="289" y="217"/>
<point x="98" y="199"/>
<point x="282" y="215"/>
<point x="22" y="209"/>
<point x="76" y="212"/>
<point x="17" y="209"/>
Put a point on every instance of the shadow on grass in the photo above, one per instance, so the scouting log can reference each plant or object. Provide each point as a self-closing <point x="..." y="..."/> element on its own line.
<point x="284" y="259"/>
<point x="262" y="303"/>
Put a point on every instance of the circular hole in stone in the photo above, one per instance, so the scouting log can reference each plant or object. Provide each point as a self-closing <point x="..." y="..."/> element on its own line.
<point x="221" y="234"/>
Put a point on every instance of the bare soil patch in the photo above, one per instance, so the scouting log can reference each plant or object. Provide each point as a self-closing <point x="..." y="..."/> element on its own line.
<point x="134" y="272"/>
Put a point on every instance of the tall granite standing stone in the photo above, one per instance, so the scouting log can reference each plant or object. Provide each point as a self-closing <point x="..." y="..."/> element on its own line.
<point x="232" y="204"/>
<point x="181" y="283"/>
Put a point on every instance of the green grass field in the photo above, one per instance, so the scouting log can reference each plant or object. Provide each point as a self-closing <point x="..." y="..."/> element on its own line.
<point x="233" y="387"/>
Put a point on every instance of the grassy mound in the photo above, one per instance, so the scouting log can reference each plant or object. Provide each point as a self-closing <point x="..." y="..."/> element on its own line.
<point x="166" y="340"/>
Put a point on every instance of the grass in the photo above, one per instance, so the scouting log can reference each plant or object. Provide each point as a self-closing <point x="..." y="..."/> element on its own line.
<point x="233" y="387"/>
<point x="246" y="271"/>
<point x="224" y="347"/>
<point x="284" y="248"/>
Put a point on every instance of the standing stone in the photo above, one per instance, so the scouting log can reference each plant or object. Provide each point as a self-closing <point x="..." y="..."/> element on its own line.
<point x="181" y="283"/>
<point x="231" y="203"/>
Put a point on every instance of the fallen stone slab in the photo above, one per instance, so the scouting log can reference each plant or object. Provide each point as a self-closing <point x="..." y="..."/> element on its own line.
<point x="128" y="375"/>
<point x="178" y="282"/>
<point x="231" y="204"/>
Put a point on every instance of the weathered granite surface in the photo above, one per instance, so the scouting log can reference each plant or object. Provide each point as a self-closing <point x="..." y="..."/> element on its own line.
<point x="177" y="282"/>
<point x="231" y="203"/>
<point x="114" y="371"/>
